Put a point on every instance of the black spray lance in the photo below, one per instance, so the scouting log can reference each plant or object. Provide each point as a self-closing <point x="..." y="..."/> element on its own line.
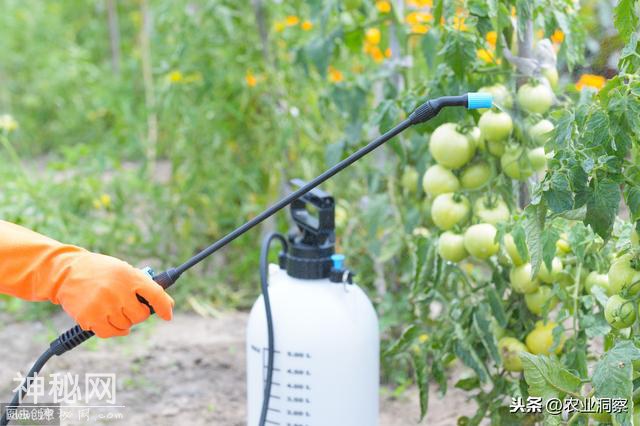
<point x="75" y="335"/>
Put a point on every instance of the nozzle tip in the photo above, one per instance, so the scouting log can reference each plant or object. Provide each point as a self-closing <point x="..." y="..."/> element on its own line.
<point x="477" y="100"/>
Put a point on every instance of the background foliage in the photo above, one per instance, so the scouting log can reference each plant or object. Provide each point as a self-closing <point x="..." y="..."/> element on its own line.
<point x="148" y="129"/>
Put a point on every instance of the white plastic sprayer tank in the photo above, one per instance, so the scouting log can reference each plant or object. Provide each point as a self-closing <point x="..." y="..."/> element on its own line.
<point x="326" y="364"/>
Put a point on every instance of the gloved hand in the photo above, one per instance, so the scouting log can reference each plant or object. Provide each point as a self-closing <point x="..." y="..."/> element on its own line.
<point x="97" y="291"/>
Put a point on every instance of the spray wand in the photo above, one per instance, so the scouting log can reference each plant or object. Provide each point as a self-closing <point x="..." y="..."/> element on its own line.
<point x="76" y="335"/>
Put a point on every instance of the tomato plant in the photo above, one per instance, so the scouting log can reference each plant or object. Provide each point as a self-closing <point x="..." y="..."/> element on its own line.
<point x="512" y="248"/>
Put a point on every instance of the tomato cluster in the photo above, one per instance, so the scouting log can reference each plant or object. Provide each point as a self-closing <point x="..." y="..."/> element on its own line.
<point x="468" y="205"/>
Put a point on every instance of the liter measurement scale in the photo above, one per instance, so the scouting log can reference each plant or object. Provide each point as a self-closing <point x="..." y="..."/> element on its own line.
<point x="325" y="369"/>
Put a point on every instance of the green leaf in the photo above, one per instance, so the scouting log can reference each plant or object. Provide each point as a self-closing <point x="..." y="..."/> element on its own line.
<point x="420" y="369"/>
<point x="535" y="216"/>
<point x="613" y="376"/>
<point x="468" y="355"/>
<point x="429" y="45"/>
<point x="458" y="52"/>
<point x="438" y="6"/>
<point x="594" y="326"/>
<point x="549" y="238"/>
<point x="629" y="60"/>
<point x="468" y="383"/>
<point x="483" y="328"/>
<point x="625" y="18"/>
<point x="547" y="378"/>
<point x="520" y="240"/>
<point x="496" y="306"/>
<point x="405" y="340"/>
<point x="632" y="199"/>
<point x="602" y="206"/>
<point x="559" y="196"/>
<point x="563" y="132"/>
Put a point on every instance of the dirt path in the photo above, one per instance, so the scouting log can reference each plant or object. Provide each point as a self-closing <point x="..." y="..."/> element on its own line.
<point x="189" y="372"/>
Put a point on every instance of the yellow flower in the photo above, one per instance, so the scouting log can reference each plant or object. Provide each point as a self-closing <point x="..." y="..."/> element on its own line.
<point x="383" y="6"/>
<point x="8" y="123"/>
<point x="458" y="23"/>
<point x="387" y="52"/>
<point x="306" y="25"/>
<point x="105" y="200"/>
<point x="417" y="17"/>
<point x="250" y="79"/>
<point x="174" y="77"/>
<point x="423" y="338"/>
<point x="487" y="56"/>
<point x="420" y="3"/>
<point x="372" y="35"/>
<point x="335" y="76"/>
<point x="557" y="36"/>
<point x="513" y="11"/>
<point x="419" y="29"/>
<point x="291" y="20"/>
<point x="279" y="26"/>
<point x="492" y="38"/>
<point x="590" y="80"/>
<point x="377" y="54"/>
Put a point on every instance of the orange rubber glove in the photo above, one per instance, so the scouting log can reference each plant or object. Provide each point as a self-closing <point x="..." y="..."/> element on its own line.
<point x="97" y="291"/>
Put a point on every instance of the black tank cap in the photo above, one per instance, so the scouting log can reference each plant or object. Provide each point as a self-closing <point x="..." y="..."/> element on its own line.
<point x="312" y="240"/>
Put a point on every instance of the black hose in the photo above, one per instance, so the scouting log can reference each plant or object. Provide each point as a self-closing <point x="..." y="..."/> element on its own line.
<point x="21" y="392"/>
<point x="264" y="285"/>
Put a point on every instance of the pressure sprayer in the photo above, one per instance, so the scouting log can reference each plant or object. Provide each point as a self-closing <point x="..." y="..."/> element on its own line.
<point x="323" y="368"/>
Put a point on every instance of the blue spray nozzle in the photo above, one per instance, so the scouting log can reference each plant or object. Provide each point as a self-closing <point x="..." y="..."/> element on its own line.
<point x="338" y="260"/>
<point x="477" y="100"/>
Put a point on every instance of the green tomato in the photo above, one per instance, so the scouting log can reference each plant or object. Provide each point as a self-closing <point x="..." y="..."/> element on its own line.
<point x="495" y="126"/>
<point x="515" y="164"/>
<point x="540" y="133"/>
<point x="540" y="340"/>
<point x="421" y="232"/>
<point x="535" y="99"/>
<point x="521" y="281"/>
<point x="547" y="276"/>
<point x="476" y="175"/>
<point x="496" y="148"/>
<point x="409" y="180"/>
<point x="537" y="158"/>
<point x="619" y="312"/>
<point x="513" y="252"/>
<point x="551" y="74"/>
<point x="596" y="279"/>
<point x="451" y="247"/>
<point x="491" y="211"/>
<point x="439" y="180"/>
<point x="501" y="96"/>
<point x="449" y="210"/>
<point x="562" y="246"/>
<point x="622" y="276"/>
<point x="475" y="136"/>
<point x="537" y="300"/>
<point x="510" y="349"/>
<point x="479" y="240"/>
<point x="449" y="147"/>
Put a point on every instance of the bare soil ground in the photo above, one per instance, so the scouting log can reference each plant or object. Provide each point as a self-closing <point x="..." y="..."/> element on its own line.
<point x="189" y="371"/>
